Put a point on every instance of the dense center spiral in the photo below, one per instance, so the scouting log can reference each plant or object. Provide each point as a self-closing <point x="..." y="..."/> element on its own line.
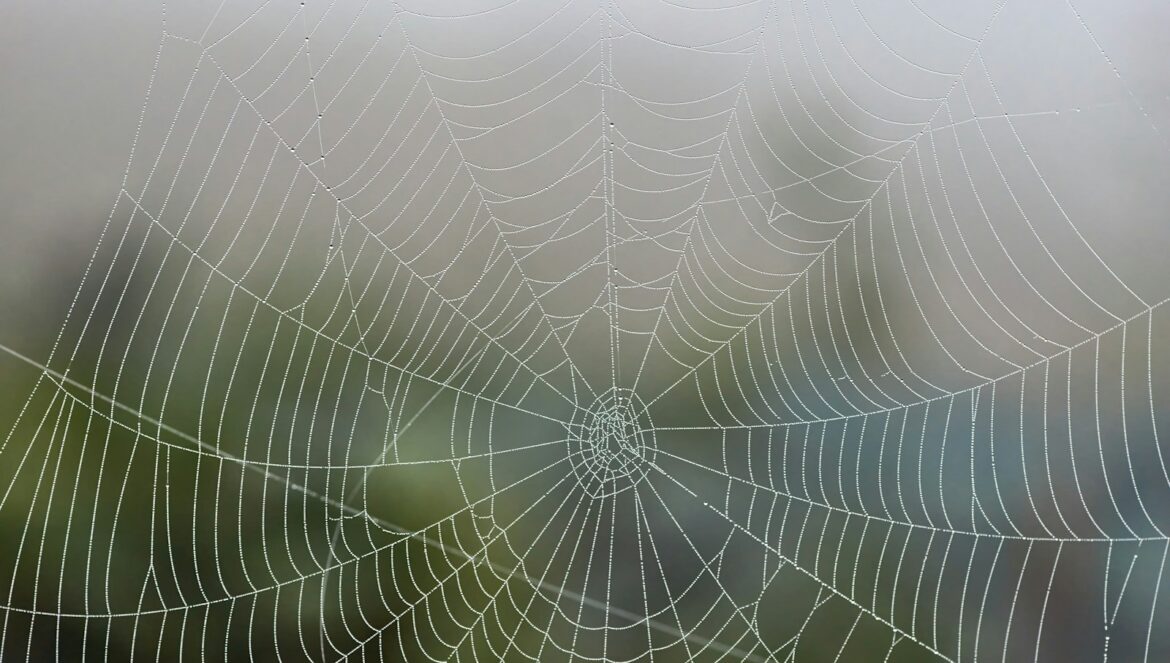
<point x="611" y="444"/>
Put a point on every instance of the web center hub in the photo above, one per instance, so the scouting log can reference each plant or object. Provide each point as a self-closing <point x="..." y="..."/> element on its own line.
<point x="611" y="444"/>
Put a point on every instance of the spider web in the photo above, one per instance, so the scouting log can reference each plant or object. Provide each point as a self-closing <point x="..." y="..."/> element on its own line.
<point x="611" y="331"/>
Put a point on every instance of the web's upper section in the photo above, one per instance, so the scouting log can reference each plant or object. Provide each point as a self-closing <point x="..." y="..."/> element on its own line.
<point x="615" y="331"/>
